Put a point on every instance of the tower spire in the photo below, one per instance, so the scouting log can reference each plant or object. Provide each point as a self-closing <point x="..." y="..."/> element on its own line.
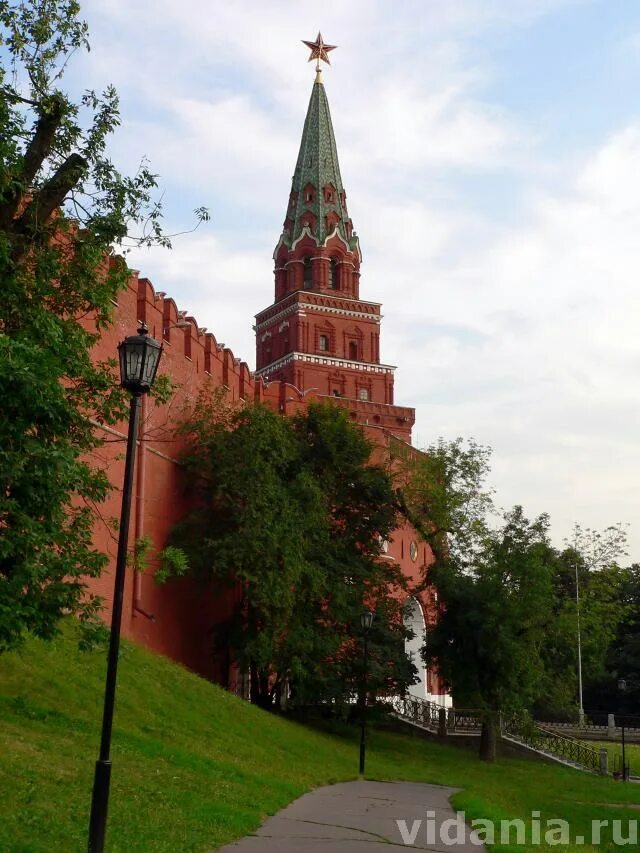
<point x="317" y="201"/>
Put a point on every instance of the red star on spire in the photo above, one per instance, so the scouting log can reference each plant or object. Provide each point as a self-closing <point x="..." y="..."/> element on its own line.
<point x="319" y="50"/>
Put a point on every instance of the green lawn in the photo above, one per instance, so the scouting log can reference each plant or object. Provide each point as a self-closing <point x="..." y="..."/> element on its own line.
<point x="632" y="753"/>
<point x="195" y="767"/>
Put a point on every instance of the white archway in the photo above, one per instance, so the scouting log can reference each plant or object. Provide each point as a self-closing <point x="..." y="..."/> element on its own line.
<point x="414" y="621"/>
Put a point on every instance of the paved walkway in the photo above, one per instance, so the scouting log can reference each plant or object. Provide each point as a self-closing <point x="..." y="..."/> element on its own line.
<point x="361" y="817"/>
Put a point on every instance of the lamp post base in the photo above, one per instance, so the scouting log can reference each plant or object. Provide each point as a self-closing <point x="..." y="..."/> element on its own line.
<point x="99" y="806"/>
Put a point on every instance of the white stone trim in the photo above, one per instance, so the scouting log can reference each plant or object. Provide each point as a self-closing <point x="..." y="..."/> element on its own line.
<point x="326" y="361"/>
<point x="336" y="233"/>
<point x="280" y="243"/>
<point x="305" y="231"/>
<point x="291" y="309"/>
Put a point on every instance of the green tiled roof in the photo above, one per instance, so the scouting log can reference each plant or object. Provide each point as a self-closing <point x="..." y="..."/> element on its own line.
<point x="318" y="165"/>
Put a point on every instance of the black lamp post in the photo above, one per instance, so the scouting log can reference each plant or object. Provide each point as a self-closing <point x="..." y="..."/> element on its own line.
<point x="622" y="686"/>
<point x="366" y="621"/>
<point x="139" y="358"/>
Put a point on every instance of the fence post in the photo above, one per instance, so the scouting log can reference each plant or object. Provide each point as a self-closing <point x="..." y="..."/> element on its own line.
<point x="442" y="722"/>
<point x="611" y="727"/>
<point x="604" y="760"/>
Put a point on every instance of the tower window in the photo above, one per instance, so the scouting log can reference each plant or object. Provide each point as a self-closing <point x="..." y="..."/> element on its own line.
<point x="333" y="274"/>
<point x="329" y="193"/>
<point x="323" y="343"/>
<point x="307" y="273"/>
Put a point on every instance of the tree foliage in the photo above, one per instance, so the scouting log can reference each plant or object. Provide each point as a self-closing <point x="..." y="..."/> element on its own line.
<point x="588" y="564"/>
<point x="291" y="514"/>
<point x="623" y="654"/>
<point x="63" y="208"/>
<point x="444" y="495"/>
<point x="507" y="636"/>
<point x="488" y="640"/>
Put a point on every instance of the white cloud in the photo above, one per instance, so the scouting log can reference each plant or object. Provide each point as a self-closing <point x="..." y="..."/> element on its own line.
<point x="558" y="400"/>
<point x="519" y="330"/>
<point x="221" y="288"/>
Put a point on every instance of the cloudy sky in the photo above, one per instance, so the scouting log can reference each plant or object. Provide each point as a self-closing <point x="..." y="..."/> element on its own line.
<point x="491" y="154"/>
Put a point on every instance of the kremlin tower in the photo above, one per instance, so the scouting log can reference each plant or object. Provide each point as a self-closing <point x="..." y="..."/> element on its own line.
<point x="319" y="334"/>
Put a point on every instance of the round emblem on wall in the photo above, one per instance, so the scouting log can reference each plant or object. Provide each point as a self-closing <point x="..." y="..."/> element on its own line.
<point x="413" y="551"/>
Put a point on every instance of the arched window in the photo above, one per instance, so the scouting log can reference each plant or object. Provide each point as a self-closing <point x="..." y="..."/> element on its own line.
<point x="333" y="274"/>
<point x="414" y="621"/>
<point x="353" y="350"/>
<point x="307" y="273"/>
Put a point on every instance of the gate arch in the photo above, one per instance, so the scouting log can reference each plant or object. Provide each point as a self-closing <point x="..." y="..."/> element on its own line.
<point x="414" y="621"/>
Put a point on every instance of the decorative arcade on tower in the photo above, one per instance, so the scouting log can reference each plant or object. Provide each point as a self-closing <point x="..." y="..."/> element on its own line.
<point x="319" y="334"/>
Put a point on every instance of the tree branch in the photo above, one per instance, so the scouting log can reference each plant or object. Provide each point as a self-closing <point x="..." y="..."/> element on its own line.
<point x="37" y="151"/>
<point x="49" y="198"/>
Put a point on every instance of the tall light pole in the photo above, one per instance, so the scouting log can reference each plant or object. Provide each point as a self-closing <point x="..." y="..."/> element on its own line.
<point x="366" y="621"/>
<point x="580" y="703"/>
<point x="622" y="686"/>
<point x="139" y="357"/>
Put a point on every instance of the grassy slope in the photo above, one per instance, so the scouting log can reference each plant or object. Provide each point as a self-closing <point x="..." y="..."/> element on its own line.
<point x="195" y="767"/>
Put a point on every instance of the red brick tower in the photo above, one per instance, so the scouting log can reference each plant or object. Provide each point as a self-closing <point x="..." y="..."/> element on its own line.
<point x="319" y="334"/>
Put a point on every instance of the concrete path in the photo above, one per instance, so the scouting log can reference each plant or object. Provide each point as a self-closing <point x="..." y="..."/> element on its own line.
<point x="361" y="817"/>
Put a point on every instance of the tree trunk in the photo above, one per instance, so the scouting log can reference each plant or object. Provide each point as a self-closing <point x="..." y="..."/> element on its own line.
<point x="488" y="736"/>
<point x="254" y="684"/>
<point x="259" y="691"/>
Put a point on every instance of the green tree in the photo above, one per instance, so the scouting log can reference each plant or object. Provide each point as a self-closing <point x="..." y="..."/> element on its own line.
<point x="623" y="659"/>
<point x="291" y="514"/>
<point x="488" y="640"/>
<point x="359" y="509"/>
<point x="588" y="565"/>
<point x="443" y="493"/>
<point x="63" y="209"/>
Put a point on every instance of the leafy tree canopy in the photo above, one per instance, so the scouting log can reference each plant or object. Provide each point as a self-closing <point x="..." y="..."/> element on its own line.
<point x="487" y="642"/>
<point x="292" y="514"/>
<point x="63" y="208"/>
<point x="588" y="570"/>
<point x="443" y="493"/>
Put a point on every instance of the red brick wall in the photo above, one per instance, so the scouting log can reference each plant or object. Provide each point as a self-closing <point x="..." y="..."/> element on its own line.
<point x="176" y="619"/>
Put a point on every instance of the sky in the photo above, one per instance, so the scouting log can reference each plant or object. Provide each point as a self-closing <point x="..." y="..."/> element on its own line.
<point x="490" y="150"/>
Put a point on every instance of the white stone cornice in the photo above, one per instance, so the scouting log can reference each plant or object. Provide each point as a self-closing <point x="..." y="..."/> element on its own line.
<point x="312" y="306"/>
<point x="325" y="361"/>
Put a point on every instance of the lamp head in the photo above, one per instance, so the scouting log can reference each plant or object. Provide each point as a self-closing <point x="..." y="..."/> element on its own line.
<point x="366" y="620"/>
<point x="139" y="358"/>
